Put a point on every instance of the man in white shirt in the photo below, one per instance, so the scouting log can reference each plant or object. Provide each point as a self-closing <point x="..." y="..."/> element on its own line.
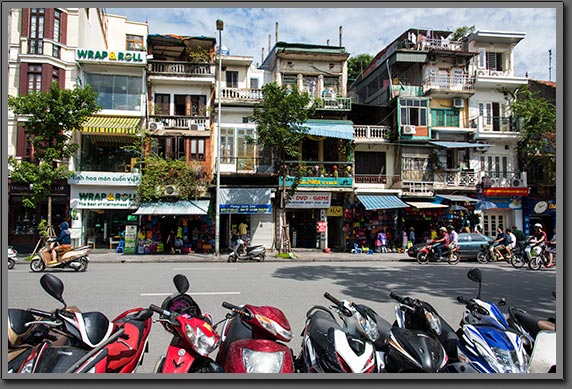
<point x="512" y="243"/>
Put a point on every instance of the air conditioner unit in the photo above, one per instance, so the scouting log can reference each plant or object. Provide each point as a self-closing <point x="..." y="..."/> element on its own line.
<point x="409" y="130"/>
<point x="460" y="61"/>
<point x="482" y="148"/>
<point x="154" y="126"/>
<point x="193" y="127"/>
<point x="171" y="190"/>
<point x="458" y="102"/>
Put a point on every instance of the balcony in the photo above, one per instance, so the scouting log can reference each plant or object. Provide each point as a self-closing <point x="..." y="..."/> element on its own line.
<point x="180" y="122"/>
<point x="241" y="95"/>
<point x="180" y="69"/>
<point x="455" y="179"/>
<point x="246" y="165"/>
<point x="499" y="78"/>
<point x="493" y="127"/>
<point x="375" y="181"/>
<point x="333" y="104"/>
<point x="494" y="179"/>
<point x="449" y="85"/>
<point x="371" y="134"/>
<point x="331" y="175"/>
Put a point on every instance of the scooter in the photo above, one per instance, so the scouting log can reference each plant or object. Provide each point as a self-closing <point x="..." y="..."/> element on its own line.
<point x="252" y="339"/>
<point x="77" y="258"/>
<point x="328" y="347"/>
<point x="486" y="341"/>
<point x="92" y="343"/>
<point x="12" y="253"/>
<point x="194" y="338"/>
<point x="242" y="252"/>
<point x="427" y="254"/>
<point x="488" y="254"/>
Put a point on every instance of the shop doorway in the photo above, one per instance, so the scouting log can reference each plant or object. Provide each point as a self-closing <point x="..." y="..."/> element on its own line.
<point x="303" y="224"/>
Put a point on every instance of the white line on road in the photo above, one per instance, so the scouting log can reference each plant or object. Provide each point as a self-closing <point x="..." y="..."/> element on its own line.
<point x="194" y="293"/>
<point x="205" y="268"/>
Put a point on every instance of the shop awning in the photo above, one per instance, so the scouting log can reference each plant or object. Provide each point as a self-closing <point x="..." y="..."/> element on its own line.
<point x="342" y="129"/>
<point x="458" y="198"/>
<point x="112" y="125"/>
<point x="426" y="205"/>
<point x="458" y="145"/>
<point x="197" y="207"/>
<point x="381" y="202"/>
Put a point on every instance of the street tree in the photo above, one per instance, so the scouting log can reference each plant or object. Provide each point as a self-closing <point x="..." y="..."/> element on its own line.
<point x="49" y="118"/>
<point x="357" y="64"/>
<point x="535" y="119"/>
<point x="280" y="129"/>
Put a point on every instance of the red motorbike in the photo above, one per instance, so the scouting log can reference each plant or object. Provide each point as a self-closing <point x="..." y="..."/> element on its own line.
<point x="93" y="343"/>
<point x="427" y="254"/>
<point x="251" y="340"/>
<point x="194" y="337"/>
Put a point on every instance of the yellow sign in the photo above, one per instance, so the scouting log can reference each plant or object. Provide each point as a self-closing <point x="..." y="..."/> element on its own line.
<point x="335" y="211"/>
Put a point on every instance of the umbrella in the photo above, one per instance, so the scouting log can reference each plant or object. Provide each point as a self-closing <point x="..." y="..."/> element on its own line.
<point x="484" y="204"/>
<point x="457" y="208"/>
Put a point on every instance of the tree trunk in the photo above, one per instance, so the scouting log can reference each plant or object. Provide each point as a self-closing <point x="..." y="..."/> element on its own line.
<point x="49" y="210"/>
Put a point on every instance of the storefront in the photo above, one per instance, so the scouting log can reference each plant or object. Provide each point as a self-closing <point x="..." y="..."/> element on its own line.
<point x="306" y="215"/>
<point x="502" y="207"/>
<point x="424" y="215"/>
<point x="541" y="211"/>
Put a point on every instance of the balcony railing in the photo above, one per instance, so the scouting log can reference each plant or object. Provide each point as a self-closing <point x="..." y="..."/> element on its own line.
<point x="463" y="83"/>
<point x="241" y="95"/>
<point x="454" y="178"/>
<point x="334" y="104"/>
<point x="498" y="179"/>
<point x="375" y="181"/>
<point x="493" y="124"/>
<point x="246" y="165"/>
<point x="181" y="69"/>
<point x="372" y="133"/>
<point x="201" y="123"/>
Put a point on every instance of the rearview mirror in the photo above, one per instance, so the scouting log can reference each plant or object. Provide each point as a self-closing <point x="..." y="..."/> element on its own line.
<point x="475" y="275"/>
<point x="53" y="286"/>
<point x="502" y="302"/>
<point x="181" y="283"/>
<point x="460" y="299"/>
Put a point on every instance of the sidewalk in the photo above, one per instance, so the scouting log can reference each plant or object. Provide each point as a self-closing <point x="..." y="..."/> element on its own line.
<point x="302" y="255"/>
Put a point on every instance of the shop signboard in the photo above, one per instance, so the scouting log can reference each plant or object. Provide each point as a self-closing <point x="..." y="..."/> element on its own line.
<point x="105" y="178"/>
<point x="309" y="200"/>
<point x="93" y="197"/>
<point x="320" y="182"/>
<point x="245" y="201"/>
<point x="130" y="239"/>
<point x="335" y="211"/>
<point x="111" y="56"/>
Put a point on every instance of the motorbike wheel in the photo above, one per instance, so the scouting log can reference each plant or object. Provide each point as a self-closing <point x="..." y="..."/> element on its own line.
<point x="422" y="258"/>
<point x="261" y="257"/>
<point x="454" y="259"/>
<point x="37" y="265"/>
<point x="231" y="258"/>
<point x="83" y="265"/>
<point x="517" y="261"/>
<point x="535" y="263"/>
<point x="482" y="257"/>
<point x="11" y="263"/>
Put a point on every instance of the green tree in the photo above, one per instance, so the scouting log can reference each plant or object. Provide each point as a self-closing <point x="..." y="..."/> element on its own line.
<point x="462" y="32"/>
<point x="535" y="118"/>
<point x="280" y="129"/>
<point x="49" y="119"/>
<point x="357" y="64"/>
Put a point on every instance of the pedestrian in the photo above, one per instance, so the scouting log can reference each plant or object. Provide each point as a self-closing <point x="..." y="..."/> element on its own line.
<point x="382" y="237"/>
<point x="170" y="242"/>
<point x="404" y="239"/>
<point x="63" y="243"/>
<point x="243" y="231"/>
<point x="518" y="233"/>
<point x="411" y="241"/>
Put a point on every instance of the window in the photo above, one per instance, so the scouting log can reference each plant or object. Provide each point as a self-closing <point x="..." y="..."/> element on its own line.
<point x="370" y="163"/>
<point x="190" y="105"/>
<point x="116" y="91"/>
<point x="254" y="83"/>
<point x="162" y="103"/>
<point x="445" y="117"/>
<point x="414" y="112"/>
<point x="134" y="42"/>
<point x="56" y="48"/>
<point x="494" y="61"/>
<point x="34" y="78"/>
<point x="36" y="43"/>
<point x="227" y="145"/>
<point x="232" y="79"/>
<point x="332" y="83"/>
<point x="197" y="149"/>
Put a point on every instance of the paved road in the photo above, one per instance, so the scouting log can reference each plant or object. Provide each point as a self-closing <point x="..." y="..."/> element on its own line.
<point x="111" y="286"/>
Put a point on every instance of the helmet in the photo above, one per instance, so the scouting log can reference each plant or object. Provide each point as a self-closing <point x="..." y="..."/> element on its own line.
<point x="442" y="229"/>
<point x="538" y="225"/>
<point x="450" y="227"/>
<point x="64" y="225"/>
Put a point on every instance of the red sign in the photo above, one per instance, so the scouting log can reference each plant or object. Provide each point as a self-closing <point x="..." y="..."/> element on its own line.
<point x="322" y="226"/>
<point x="505" y="192"/>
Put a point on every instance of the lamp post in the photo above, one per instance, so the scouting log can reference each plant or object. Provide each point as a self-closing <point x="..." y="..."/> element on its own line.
<point x="219" y="27"/>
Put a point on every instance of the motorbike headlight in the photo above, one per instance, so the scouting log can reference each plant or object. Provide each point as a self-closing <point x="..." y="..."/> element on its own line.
<point x="27" y="368"/>
<point x="273" y="327"/>
<point x="434" y="322"/>
<point x="202" y="343"/>
<point x="506" y="361"/>
<point x="368" y="327"/>
<point x="262" y="362"/>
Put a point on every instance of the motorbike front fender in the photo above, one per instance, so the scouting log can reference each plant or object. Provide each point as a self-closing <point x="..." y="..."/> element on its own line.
<point x="177" y="361"/>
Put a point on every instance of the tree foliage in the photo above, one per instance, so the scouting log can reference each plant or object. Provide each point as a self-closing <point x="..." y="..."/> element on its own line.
<point x="357" y="64"/>
<point x="462" y="32"/>
<point x="535" y="118"/>
<point x="49" y="119"/>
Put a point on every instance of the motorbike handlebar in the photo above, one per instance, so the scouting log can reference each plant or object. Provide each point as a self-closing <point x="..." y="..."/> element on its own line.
<point x="38" y="312"/>
<point x="160" y="310"/>
<point x="240" y="310"/>
<point x="403" y="300"/>
<point x="338" y="303"/>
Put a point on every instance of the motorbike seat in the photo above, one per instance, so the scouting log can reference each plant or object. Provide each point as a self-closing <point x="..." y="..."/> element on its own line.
<point x="319" y="324"/>
<point x="251" y="248"/>
<point x="528" y="322"/>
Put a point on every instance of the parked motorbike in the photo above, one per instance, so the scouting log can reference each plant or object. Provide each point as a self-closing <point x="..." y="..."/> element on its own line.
<point x="91" y="342"/>
<point x="77" y="258"/>
<point x="252" y="339"/>
<point x="194" y="338"/>
<point x="243" y="252"/>
<point x="328" y="347"/>
<point x="428" y="254"/>
<point x="486" y="341"/>
<point x="12" y="253"/>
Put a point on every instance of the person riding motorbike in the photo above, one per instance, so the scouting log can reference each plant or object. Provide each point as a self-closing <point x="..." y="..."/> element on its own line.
<point x="441" y="243"/>
<point x="63" y="242"/>
<point x="551" y="250"/>
<point x="503" y="242"/>
<point x="538" y="240"/>
<point x="453" y="236"/>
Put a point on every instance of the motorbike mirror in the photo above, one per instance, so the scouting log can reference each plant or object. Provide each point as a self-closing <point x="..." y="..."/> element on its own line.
<point x="181" y="283"/>
<point x="53" y="286"/>
<point x="475" y="275"/>
<point x="460" y="299"/>
<point x="554" y="293"/>
<point x="502" y="302"/>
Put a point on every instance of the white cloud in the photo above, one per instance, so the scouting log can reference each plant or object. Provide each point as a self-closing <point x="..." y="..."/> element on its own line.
<point x="365" y="30"/>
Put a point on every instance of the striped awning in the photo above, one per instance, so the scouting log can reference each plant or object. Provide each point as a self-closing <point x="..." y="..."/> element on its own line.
<point x="197" y="207"/>
<point x="425" y="205"/>
<point x="112" y="125"/>
<point x="381" y="202"/>
<point x="458" y="198"/>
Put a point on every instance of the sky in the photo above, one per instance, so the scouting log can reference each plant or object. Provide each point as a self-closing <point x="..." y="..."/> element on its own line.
<point x="364" y="30"/>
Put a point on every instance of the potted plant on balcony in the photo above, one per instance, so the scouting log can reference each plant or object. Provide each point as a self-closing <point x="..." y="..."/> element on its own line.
<point x="435" y="161"/>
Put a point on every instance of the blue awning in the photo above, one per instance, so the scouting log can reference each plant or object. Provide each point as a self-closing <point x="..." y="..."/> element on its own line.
<point x="342" y="129"/>
<point x="198" y="207"/>
<point x="458" y="145"/>
<point x="381" y="202"/>
<point x="459" y="198"/>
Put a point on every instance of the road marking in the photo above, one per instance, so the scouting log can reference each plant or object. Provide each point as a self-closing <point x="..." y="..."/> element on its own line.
<point x="193" y="293"/>
<point x="205" y="268"/>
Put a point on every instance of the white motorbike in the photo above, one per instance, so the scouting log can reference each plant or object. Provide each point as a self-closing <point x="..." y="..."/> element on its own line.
<point x="242" y="252"/>
<point x="12" y="257"/>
